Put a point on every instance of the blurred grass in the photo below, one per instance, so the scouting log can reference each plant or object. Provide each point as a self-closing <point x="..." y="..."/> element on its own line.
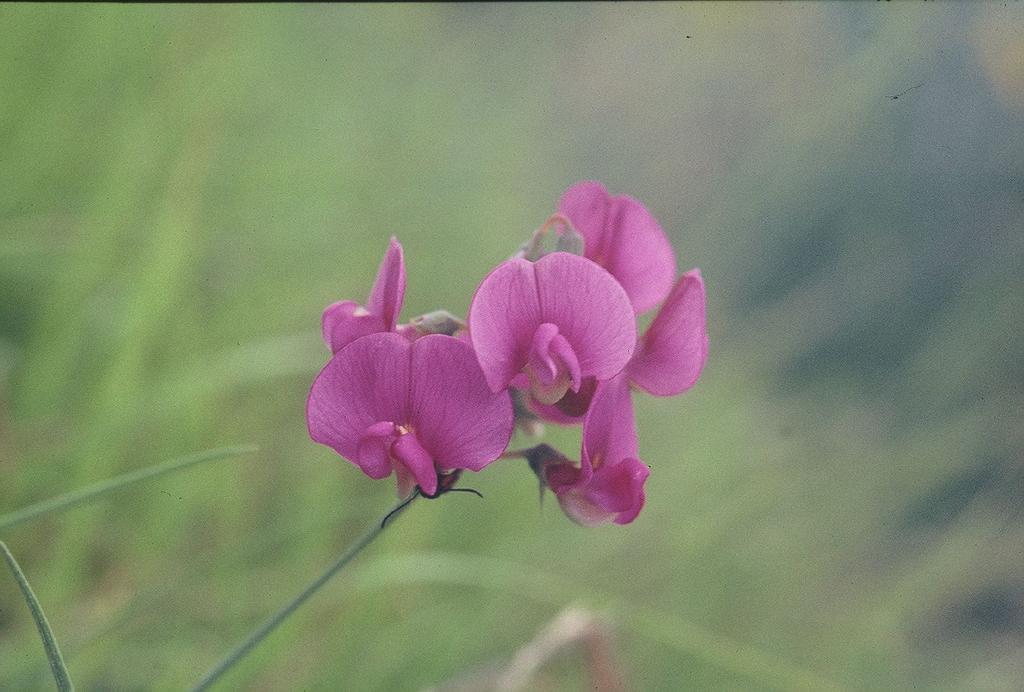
<point x="60" y="672"/>
<point x="184" y="189"/>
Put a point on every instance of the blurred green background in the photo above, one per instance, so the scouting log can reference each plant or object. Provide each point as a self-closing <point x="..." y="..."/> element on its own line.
<point x="836" y="504"/>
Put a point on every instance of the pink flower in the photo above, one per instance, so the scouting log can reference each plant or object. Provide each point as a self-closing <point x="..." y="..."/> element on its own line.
<point x="669" y="357"/>
<point x="557" y="321"/>
<point x="417" y="408"/>
<point x="608" y="485"/>
<point x="672" y="352"/>
<point x="345" y="321"/>
<point x="623" y="237"/>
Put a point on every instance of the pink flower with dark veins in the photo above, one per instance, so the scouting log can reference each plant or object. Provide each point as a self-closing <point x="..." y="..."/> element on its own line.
<point x="345" y="321"/>
<point x="550" y="325"/>
<point x="420" y="409"/>
<point x="623" y="237"/>
<point x="608" y="485"/>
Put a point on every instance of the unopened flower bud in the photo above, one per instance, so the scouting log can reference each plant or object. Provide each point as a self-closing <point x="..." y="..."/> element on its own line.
<point x="555" y="235"/>
<point x="438" y="322"/>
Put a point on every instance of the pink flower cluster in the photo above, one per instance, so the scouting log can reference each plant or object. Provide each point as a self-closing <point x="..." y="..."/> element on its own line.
<point x="551" y="334"/>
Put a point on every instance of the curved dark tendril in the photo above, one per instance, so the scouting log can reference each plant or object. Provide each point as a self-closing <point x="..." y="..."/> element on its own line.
<point x="400" y="507"/>
<point x="465" y="490"/>
<point x="444" y="491"/>
<point x="419" y="493"/>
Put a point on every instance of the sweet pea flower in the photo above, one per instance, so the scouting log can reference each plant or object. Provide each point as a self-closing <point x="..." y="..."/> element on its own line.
<point x="345" y="321"/>
<point x="608" y="485"/>
<point x="623" y="237"/>
<point x="669" y="357"/>
<point x="420" y="409"/>
<point x="550" y="325"/>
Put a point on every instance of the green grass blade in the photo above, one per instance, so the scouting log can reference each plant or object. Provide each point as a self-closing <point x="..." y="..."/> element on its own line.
<point x="60" y="671"/>
<point x="62" y="502"/>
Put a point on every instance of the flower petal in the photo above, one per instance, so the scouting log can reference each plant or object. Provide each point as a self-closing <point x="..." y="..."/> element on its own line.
<point x="622" y="236"/>
<point x="373" y="451"/>
<point x="502" y="319"/>
<point x="609" y="429"/>
<point x="552" y="367"/>
<point x="636" y="473"/>
<point x="408" y="451"/>
<point x="608" y="484"/>
<point x="614" y="493"/>
<point x="456" y="417"/>
<point x="591" y="311"/>
<point x="672" y="353"/>
<point x="560" y="349"/>
<point x="639" y="254"/>
<point x="388" y="290"/>
<point x="540" y="361"/>
<point x="345" y="321"/>
<point x="364" y="383"/>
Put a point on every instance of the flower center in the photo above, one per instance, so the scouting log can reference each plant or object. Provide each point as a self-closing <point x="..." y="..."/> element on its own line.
<point x="387" y="447"/>
<point x="552" y="366"/>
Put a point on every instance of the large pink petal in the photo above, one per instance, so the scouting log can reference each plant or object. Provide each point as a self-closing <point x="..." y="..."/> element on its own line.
<point x="591" y="311"/>
<point x="502" y="319"/>
<point x="345" y="321"/>
<point x="609" y="428"/>
<point x="639" y="254"/>
<point x="366" y="382"/>
<point x="388" y="290"/>
<point x="672" y="353"/>
<point x="455" y="415"/>
<point x="622" y="236"/>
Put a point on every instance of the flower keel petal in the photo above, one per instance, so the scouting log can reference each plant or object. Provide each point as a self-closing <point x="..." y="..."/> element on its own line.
<point x="591" y="310"/>
<point x="408" y="451"/>
<point x="364" y="383"/>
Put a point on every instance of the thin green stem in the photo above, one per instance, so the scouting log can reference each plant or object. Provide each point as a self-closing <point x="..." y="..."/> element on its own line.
<point x="280" y="616"/>
<point x="60" y="671"/>
<point x="62" y="502"/>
